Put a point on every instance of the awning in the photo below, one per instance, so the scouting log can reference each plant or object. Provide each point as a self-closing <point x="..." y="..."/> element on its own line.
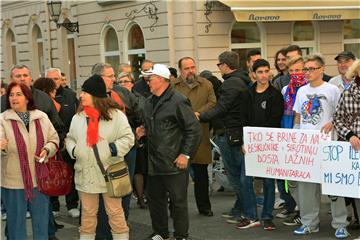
<point x="288" y="10"/>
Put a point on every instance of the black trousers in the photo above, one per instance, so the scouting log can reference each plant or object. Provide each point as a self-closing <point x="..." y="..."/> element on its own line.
<point x="158" y="189"/>
<point x="201" y="187"/>
<point x="72" y="199"/>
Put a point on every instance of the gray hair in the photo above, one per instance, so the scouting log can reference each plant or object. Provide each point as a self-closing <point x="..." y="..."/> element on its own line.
<point x="230" y="58"/>
<point x="316" y="57"/>
<point x="19" y="66"/>
<point x="125" y="74"/>
<point x="98" y="68"/>
<point x="53" y="70"/>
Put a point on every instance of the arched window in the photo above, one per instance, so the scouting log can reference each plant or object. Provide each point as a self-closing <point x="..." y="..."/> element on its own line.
<point x="135" y="48"/>
<point x="352" y="36"/>
<point x="111" y="48"/>
<point x="11" y="48"/>
<point x="303" y="35"/>
<point x="38" y="51"/>
<point x="245" y="36"/>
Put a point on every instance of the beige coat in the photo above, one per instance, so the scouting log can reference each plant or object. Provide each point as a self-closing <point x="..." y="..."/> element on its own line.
<point x="202" y="98"/>
<point x="11" y="176"/>
<point x="88" y="176"/>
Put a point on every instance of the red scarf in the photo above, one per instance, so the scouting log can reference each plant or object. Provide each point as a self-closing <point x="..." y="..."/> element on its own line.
<point x="117" y="99"/>
<point x="93" y="126"/>
<point x="23" y="155"/>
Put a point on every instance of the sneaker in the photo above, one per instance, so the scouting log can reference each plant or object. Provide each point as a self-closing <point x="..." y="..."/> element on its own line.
<point x="247" y="223"/>
<point x="269" y="225"/>
<point x="279" y="204"/>
<point x="28" y="215"/>
<point x="296" y="220"/>
<point x="3" y="216"/>
<point x="303" y="230"/>
<point x="74" y="213"/>
<point x="234" y="220"/>
<point x="56" y="213"/>
<point x="227" y="215"/>
<point x="341" y="233"/>
<point x="284" y="214"/>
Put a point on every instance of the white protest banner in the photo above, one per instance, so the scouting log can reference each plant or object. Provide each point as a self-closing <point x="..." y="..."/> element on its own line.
<point x="340" y="169"/>
<point x="291" y="154"/>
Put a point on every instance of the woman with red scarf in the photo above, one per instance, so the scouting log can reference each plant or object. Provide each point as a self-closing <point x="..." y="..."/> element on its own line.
<point x="27" y="138"/>
<point x="99" y="122"/>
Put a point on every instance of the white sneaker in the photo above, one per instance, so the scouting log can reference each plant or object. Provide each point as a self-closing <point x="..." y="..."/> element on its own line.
<point x="56" y="213"/>
<point x="74" y="213"/>
<point x="28" y="215"/>
<point x="279" y="204"/>
<point x="3" y="216"/>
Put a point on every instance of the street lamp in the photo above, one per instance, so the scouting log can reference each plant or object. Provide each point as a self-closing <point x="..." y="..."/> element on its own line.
<point x="55" y="12"/>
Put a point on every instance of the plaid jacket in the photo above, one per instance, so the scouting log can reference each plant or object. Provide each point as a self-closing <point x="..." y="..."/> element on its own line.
<point x="347" y="116"/>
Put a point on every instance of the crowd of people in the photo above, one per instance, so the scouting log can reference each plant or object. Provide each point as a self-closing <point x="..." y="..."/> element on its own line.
<point x="161" y="125"/>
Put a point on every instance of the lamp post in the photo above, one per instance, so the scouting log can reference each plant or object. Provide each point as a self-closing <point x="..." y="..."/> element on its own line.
<point x="55" y="12"/>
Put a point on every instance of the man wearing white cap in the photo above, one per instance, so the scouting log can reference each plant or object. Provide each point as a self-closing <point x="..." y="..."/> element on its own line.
<point x="174" y="135"/>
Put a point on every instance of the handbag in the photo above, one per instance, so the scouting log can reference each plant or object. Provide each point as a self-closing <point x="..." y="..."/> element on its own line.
<point x="116" y="176"/>
<point x="55" y="177"/>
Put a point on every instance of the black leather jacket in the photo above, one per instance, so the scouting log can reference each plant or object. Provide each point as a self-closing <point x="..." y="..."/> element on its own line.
<point x="172" y="129"/>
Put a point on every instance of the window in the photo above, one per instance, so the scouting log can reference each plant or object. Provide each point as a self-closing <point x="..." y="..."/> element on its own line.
<point x="352" y="36"/>
<point x="111" y="48"/>
<point x="71" y="57"/>
<point x="303" y="35"/>
<point x="11" y="48"/>
<point x="245" y="36"/>
<point x="136" y="48"/>
<point x="38" y="51"/>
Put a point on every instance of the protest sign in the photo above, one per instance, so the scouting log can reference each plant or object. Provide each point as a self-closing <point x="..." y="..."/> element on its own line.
<point x="340" y="169"/>
<point x="290" y="154"/>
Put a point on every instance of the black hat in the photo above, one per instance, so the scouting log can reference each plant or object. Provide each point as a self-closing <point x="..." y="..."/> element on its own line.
<point x="346" y="55"/>
<point x="95" y="86"/>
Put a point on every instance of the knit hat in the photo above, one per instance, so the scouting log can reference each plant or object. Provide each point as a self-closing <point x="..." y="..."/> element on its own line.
<point x="95" y="86"/>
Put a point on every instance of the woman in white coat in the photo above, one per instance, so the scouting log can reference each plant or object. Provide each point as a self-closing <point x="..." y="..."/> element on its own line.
<point x="99" y="121"/>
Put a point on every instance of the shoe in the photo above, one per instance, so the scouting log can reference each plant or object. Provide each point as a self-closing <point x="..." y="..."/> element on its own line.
<point x="247" y="223"/>
<point x="358" y="238"/>
<point x="221" y="189"/>
<point x="28" y="215"/>
<point x="227" y="215"/>
<point x="341" y="233"/>
<point x="269" y="225"/>
<point x="284" y="214"/>
<point x="206" y="213"/>
<point x="58" y="226"/>
<point x="141" y="203"/>
<point x="56" y="213"/>
<point x="234" y="220"/>
<point x="296" y="220"/>
<point x="154" y="236"/>
<point x="303" y="230"/>
<point x="74" y="213"/>
<point x="279" y="204"/>
<point x="3" y="216"/>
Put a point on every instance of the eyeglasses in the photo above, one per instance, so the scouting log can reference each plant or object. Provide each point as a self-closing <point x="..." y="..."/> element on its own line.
<point x="219" y="64"/>
<point x="310" y="69"/>
<point x="125" y="81"/>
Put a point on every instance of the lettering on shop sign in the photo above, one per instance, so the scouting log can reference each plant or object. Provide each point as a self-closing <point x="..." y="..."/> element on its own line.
<point x="253" y="17"/>
<point x="340" y="169"/>
<point x="290" y="154"/>
<point x="317" y="16"/>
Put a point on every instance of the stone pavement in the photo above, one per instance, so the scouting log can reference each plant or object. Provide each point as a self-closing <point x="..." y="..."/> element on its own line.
<point x="206" y="228"/>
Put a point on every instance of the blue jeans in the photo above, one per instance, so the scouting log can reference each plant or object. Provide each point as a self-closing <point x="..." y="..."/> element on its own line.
<point x="269" y="198"/>
<point x="290" y="202"/>
<point x="16" y="205"/>
<point x="234" y="163"/>
<point x="130" y="160"/>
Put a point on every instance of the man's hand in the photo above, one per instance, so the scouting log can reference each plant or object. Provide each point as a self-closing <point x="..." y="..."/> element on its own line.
<point x="327" y="128"/>
<point x="355" y="142"/>
<point x="4" y="144"/>
<point x="181" y="162"/>
<point x="197" y="114"/>
<point x="140" y="132"/>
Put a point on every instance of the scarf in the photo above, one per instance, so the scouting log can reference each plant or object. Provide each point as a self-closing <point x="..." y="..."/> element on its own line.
<point x="25" y="117"/>
<point x="23" y="155"/>
<point x="92" y="132"/>
<point x="296" y="81"/>
<point x="57" y="105"/>
<point x="117" y="99"/>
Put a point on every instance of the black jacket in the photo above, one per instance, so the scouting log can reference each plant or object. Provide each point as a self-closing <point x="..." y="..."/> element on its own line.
<point x="274" y="107"/>
<point x="172" y="129"/>
<point x="232" y="105"/>
<point x="69" y="104"/>
<point x="142" y="87"/>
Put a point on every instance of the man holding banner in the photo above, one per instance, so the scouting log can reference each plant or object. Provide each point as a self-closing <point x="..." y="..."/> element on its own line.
<point x="266" y="110"/>
<point x="314" y="106"/>
<point x="346" y="118"/>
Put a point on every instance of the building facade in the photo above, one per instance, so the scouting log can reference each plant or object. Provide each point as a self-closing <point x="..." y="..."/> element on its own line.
<point x="164" y="31"/>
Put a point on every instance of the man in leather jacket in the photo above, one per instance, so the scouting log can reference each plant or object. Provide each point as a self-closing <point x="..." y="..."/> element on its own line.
<point x="174" y="135"/>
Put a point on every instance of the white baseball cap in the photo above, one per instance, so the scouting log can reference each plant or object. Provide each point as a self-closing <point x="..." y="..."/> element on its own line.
<point x="158" y="69"/>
